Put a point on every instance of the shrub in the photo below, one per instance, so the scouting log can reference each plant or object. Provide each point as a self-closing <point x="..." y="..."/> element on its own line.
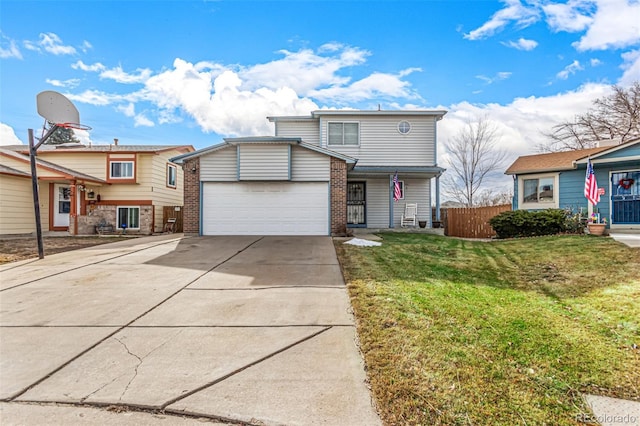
<point x="525" y="223"/>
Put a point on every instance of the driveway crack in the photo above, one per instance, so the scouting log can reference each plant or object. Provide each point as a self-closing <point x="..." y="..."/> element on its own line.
<point x="135" y="372"/>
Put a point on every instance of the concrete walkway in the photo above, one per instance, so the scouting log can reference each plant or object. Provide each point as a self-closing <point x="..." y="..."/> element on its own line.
<point x="628" y="238"/>
<point x="234" y="330"/>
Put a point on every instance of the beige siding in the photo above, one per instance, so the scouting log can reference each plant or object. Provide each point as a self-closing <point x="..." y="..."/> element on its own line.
<point x="16" y="210"/>
<point x="264" y="162"/>
<point x="162" y="194"/>
<point x="93" y="164"/>
<point x="308" y="130"/>
<point x="381" y="143"/>
<point x="25" y="166"/>
<point x="220" y="166"/>
<point x="415" y="191"/>
<point x="308" y="165"/>
<point x="377" y="203"/>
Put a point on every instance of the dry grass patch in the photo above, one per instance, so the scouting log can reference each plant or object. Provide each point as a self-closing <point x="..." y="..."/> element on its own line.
<point x="507" y="332"/>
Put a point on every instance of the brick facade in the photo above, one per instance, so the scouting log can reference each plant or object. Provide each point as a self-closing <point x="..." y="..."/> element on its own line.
<point x="338" y="197"/>
<point x="191" y="213"/>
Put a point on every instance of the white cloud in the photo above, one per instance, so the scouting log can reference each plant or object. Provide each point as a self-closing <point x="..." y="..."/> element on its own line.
<point x="9" y="48"/>
<point x="118" y="75"/>
<point x="97" y="67"/>
<point x="631" y="67"/>
<point x="595" y="62"/>
<point x="71" y="83"/>
<point x="616" y="24"/>
<point x="97" y="97"/>
<point x="86" y="46"/>
<point x="514" y="11"/>
<point x="570" y="69"/>
<point x="236" y="100"/>
<point x="573" y="16"/>
<point x="8" y="135"/>
<point x="608" y="23"/>
<point x="142" y="120"/>
<point x="522" y="122"/>
<point x="521" y="44"/>
<point x="498" y="77"/>
<point x="51" y="43"/>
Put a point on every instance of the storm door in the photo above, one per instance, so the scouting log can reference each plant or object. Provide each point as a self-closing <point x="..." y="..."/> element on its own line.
<point x="356" y="204"/>
<point x="625" y="198"/>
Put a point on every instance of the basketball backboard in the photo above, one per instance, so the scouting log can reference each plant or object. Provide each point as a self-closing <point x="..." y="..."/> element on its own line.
<point x="56" y="108"/>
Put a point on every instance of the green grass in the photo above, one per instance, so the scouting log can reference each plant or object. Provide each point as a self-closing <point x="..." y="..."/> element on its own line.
<point x="506" y="332"/>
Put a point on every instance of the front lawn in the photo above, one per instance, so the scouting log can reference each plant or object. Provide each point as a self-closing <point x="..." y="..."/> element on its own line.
<point x="495" y="333"/>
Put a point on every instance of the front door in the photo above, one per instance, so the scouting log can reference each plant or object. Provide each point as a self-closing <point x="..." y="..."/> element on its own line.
<point x="61" y="205"/>
<point x="356" y="204"/>
<point x="625" y="198"/>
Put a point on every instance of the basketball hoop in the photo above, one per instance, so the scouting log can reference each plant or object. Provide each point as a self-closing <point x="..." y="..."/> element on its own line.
<point x="75" y="126"/>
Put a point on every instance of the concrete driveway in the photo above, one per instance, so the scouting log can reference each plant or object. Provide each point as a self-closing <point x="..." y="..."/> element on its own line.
<point x="248" y="330"/>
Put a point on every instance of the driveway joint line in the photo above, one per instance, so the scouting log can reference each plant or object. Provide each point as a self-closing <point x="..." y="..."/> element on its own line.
<point x="333" y="287"/>
<point x="241" y="369"/>
<point x="90" y="348"/>
<point x="89" y="264"/>
<point x="134" y="408"/>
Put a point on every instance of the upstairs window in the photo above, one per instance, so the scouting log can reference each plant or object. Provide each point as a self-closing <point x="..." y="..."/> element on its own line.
<point x="172" y="175"/>
<point x="344" y="134"/>
<point x="121" y="169"/>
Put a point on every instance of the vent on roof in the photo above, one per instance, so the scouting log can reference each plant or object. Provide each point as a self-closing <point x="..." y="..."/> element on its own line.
<point x="608" y="142"/>
<point x="69" y="145"/>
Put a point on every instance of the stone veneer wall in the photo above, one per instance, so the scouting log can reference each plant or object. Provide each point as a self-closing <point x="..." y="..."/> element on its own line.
<point x="338" y="197"/>
<point x="191" y="212"/>
<point x="87" y="224"/>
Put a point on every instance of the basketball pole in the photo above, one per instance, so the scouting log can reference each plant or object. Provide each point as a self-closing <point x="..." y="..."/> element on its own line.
<point x="34" y="182"/>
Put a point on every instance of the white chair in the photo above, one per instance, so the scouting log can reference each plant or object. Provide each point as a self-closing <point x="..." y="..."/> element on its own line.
<point x="409" y="215"/>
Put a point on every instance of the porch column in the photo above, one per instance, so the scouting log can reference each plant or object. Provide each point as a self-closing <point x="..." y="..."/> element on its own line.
<point x="73" y="216"/>
<point x="437" y="199"/>
<point x="391" y="189"/>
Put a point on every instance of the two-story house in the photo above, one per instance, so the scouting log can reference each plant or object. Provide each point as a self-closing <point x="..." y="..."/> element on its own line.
<point x="319" y="175"/>
<point x="125" y="186"/>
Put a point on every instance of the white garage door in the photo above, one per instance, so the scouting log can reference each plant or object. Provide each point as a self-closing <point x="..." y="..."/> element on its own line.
<point x="274" y="208"/>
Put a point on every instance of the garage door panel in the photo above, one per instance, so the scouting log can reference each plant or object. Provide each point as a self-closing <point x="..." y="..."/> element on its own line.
<point x="300" y="208"/>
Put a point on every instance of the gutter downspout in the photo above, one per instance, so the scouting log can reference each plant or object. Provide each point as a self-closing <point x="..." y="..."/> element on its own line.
<point x="437" y="200"/>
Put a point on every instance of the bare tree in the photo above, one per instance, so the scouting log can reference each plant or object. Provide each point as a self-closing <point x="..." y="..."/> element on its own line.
<point x="473" y="156"/>
<point x="614" y="117"/>
<point x="492" y="197"/>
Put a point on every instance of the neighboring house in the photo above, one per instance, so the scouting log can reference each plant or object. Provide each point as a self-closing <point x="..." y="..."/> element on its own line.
<point x="556" y="180"/>
<point x="319" y="175"/>
<point x="82" y="186"/>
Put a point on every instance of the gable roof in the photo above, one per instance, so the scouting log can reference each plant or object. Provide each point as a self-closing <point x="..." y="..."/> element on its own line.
<point x="261" y="140"/>
<point x="553" y="161"/>
<point x="64" y="171"/>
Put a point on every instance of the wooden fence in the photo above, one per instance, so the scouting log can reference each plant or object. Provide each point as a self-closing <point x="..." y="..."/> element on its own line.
<point x="171" y="212"/>
<point x="472" y="222"/>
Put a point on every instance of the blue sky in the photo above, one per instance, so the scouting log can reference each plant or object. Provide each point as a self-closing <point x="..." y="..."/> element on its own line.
<point x="193" y="72"/>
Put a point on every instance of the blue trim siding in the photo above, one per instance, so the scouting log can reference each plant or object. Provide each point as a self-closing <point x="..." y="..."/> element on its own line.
<point x="623" y="154"/>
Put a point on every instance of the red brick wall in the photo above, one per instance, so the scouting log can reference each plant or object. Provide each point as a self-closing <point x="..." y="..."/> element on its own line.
<point x="338" y="197"/>
<point x="191" y="213"/>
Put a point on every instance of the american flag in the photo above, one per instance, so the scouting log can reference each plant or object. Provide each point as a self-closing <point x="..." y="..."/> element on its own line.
<point x="396" y="188"/>
<point x="590" y="185"/>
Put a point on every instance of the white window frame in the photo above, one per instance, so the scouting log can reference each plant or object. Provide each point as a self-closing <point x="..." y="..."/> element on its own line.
<point x="553" y="204"/>
<point x="133" y="169"/>
<point x="329" y="143"/>
<point x="171" y="167"/>
<point x="128" y="216"/>
<point x="400" y="126"/>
